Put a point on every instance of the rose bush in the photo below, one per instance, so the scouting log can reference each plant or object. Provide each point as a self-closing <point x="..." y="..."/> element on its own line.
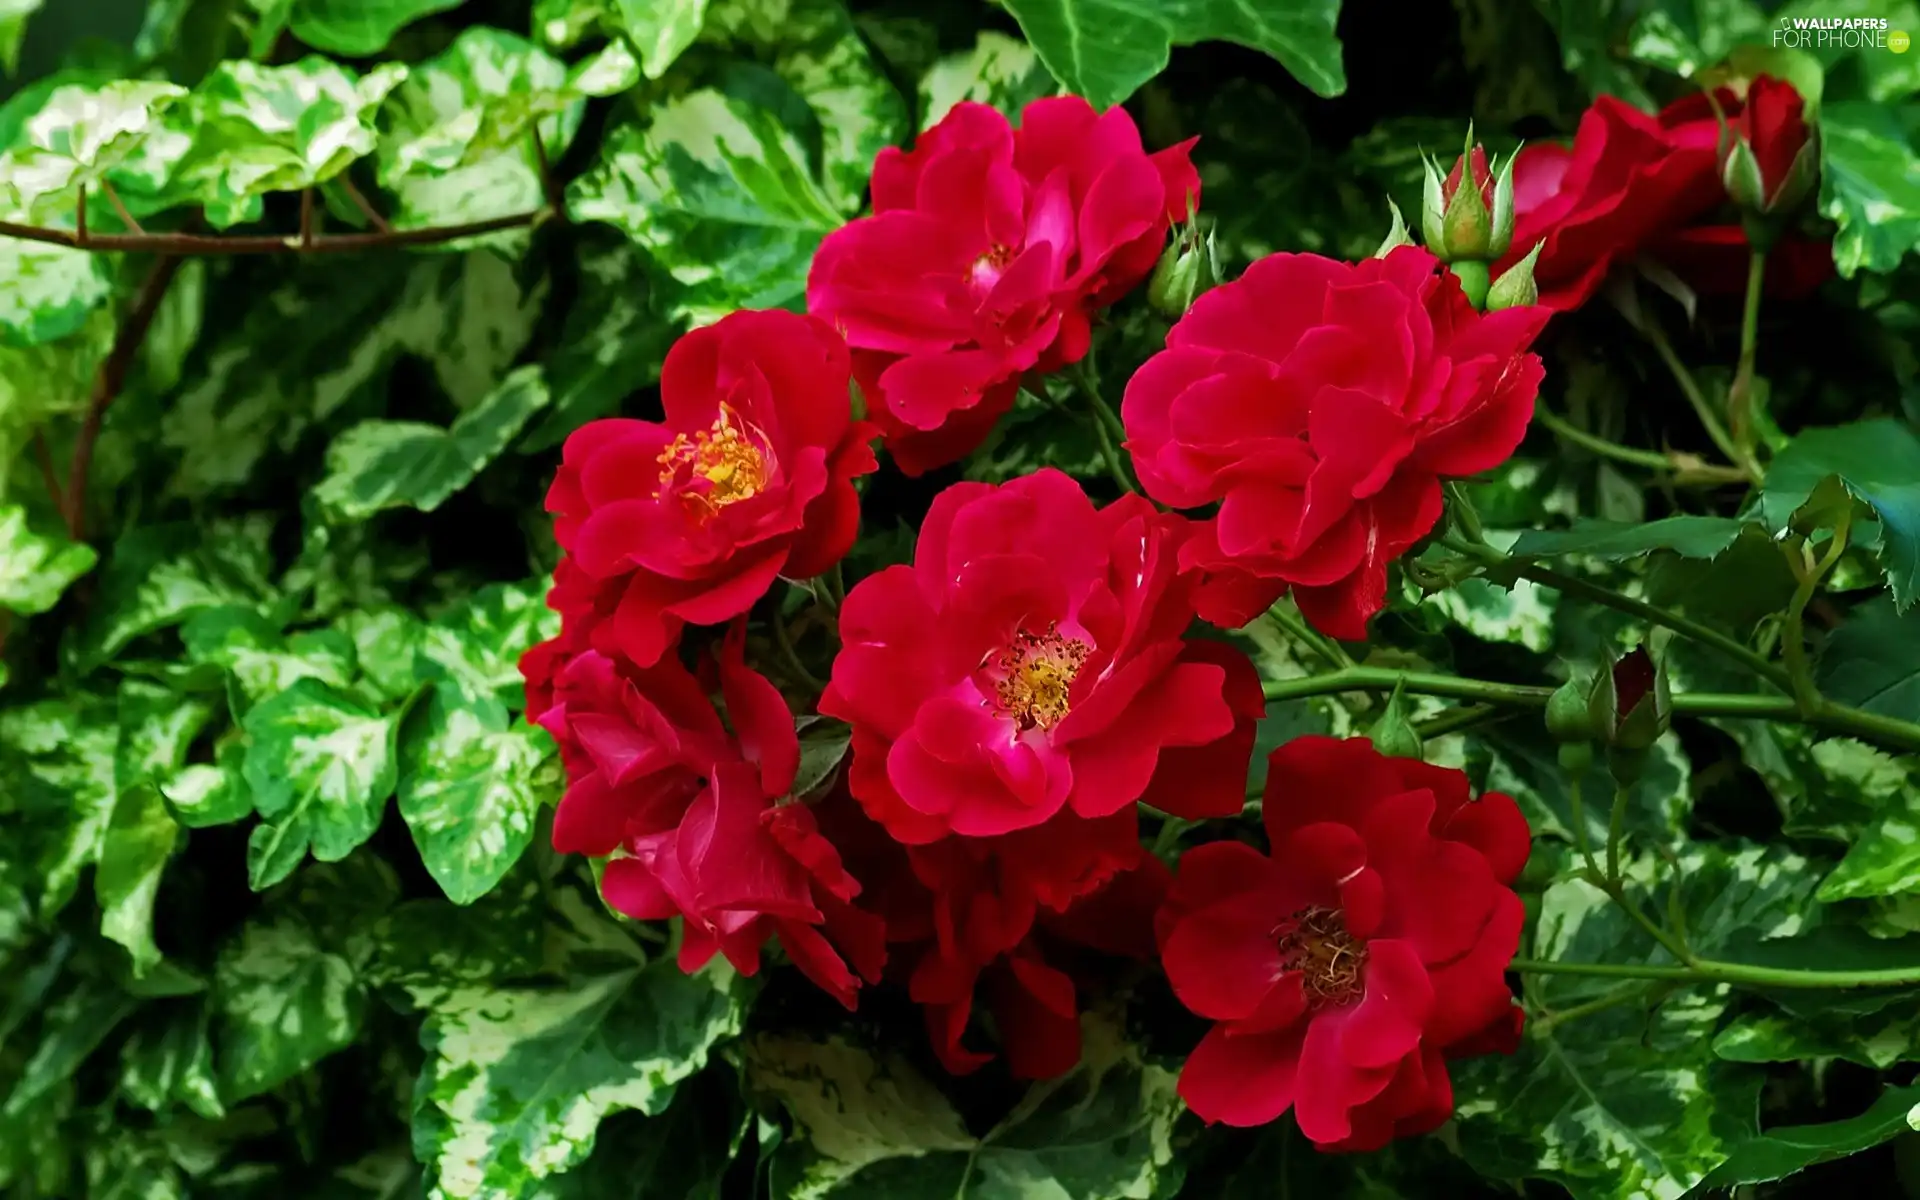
<point x="744" y="600"/>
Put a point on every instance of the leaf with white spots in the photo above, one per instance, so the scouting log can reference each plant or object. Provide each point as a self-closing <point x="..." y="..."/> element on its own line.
<point x="518" y="1079"/>
<point x="356" y="28"/>
<point x="1884" y="859"/>
<point x="1000" y="71"/>
<point x="201" y="795"/>
<point x="1521" y="613"/>
<point x="1629" y="1103"/>
<point x="261" y="660"/>
<point x="282" y="1002"/>
<point x="156" y="576"/>
<point x="51" y="290"/>
<point x="384" y="641"/>
<point x="321" y="766"/>
<point x="35" y="570"/>
<point x="262" y="129"/>
<point x="140" y="838"/>
<point x="475" y="647"/>
<point x="868" y="1125"/>
<point x="169" y="1058"/>
<point x="471" y="786"/>
<point x="78" y="135"/>
<point x="380" y="464"/>
<point x="58" y="772"/>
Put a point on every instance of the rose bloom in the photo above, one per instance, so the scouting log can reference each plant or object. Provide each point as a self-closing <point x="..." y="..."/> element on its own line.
<point x="749" y="477"/>
<point x="694" y="811"/>
<point x="1342" y="970"/>
<point x="1033" y="659"/>
<point x="988" y="250"/>
<point x="1320" y="403"/>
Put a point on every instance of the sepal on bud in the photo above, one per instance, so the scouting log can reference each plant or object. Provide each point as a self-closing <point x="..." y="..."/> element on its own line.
<point x="1188" y="269"/>
<point x="1393" y="735"/>
<point x="1397" y="235"/>
<point x="1468" y="214"/>
<point x="1516" y="287"/>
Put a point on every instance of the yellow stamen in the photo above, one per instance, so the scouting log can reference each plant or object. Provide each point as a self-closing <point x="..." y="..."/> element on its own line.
<point x="723" y="455"/>
<point x="1036" y="677"/>
<point x="1315" y="942"/>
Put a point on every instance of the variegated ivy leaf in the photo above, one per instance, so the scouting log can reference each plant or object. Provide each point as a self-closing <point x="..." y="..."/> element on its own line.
<point x="471" y="786"/>
<point x="275" y="129"/>
<point x="207" y="794"/>
<point x="1000" y="71"/>
<point x="51" y="290"/>
<point x="475" y="647"/>
<point x="282" y="1001"/>
<point x="140" y="838"/>
<point x="70" y="1029"/>
<point x="1630" y="1102"/>
<point x="518" y="1079"/>
<point x="385" y="641"/>
<point x="814" y="46"/>
<point x="13" y="30"/>
<point x="126" y="1163"/>
<point x="563" y="24"/>
<point x="1869" y="186"/>
<point x="613" y="344"/>
<point x="1884" y="859"/>
<point x="866" y="1126"/>
<point x="158" y="575"/>
<point x="58" y="772"/>
<point x="80" y="134"/>
<point x="34" y="570"/>
<point x="321" y="766"/>
<point x="720" y="194"/>
<point x="660" y="29"/>
<point x="382" y="464"/>
<point x="169" y="1058"/>
<point x="427" y="946"/>
<point x="262" y="661"/>
<point x="357" y="28"/>
<point x="1877" y="1039"/>
<point x="1521" y="613"/>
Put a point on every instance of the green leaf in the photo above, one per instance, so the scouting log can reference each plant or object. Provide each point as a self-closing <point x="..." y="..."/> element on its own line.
<point x="61" y="778"/>
<point x="169" y="1058"/>
<point x="1873" y="661"/>
<point x="719" y="193"/>
<point x="427" y="946"/>
<point x="382" y="464"/>
<point x="1876" y="1040"/>
<point x="1869" y="186"/>
<point x="278" y="129"/>
<point x="612" y="345"/>
<point x="458" y="142"/>
<point x="1781" y="1152"/>
<point x="158" y="575"/>
<point x="70" y="1031"/>
<point x="1521" y="613"/>
<point x="1629" y="1102"/>
<point x="1879" y="464"/>
<point x="476" y="646"/>
<point x="682" y="1154"/>
<point x="78" y="135"/>
<point x="140" y="838"/>
<point x="872" y="1126"/>
<point x="13" y="30"/>
<point x="282" y="1002"/>
<point x="51" y="290"/>
<point x="1000" y="71"/>
<point x="1521" y="761"/>
<point x="518" y="1079"/>
<point x="35" y="570"/>
<point x="659" y="29"/>
<point x="384" y="644"/>
<point x="1885" y="859"/>
<point x="823" y="745"/>
<point x="357" y="28"/>
<point x="262" y="662"/>
<point x="207" y="794"/>
<point x="1615" y="541"/>
<point x="321" y="766"/>
<point x="1105" y="49"/>
<point x="470" y="788"/>
<point x="814" y="46"/>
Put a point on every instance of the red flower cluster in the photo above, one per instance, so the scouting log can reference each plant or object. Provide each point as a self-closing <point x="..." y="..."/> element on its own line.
<point x="1635" y="184"/>
<point x="1014" y="693"/>
<point x="988" y="250"/>
<point x="1345" y="968"/>
<point x="1321" y="403"/>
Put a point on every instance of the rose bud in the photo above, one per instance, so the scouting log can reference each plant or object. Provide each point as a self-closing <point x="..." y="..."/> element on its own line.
<point x="1769" y="153"/>
<point x="1468" y="214"/>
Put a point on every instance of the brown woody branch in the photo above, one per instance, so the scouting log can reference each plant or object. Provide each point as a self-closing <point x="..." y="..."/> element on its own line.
<point x="107" y="385"/>
<point x="175" y="244"/>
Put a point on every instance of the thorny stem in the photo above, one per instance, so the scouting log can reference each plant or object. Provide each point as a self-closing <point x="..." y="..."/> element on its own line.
<point x="1651" y="613"/>
<point x="1325" y="647"/>
<point x="203" y="243"/>
<point x="1705" y="970"/>
<point x="107" y="384"/>
<point x="1740" y="397"/>
<point x="1690" y="388"/>
<point x="1683" y="471"/>
<point x="1459" y="720"/>
<point x="1828" y="716"/>
<point x="1624" y="994"/>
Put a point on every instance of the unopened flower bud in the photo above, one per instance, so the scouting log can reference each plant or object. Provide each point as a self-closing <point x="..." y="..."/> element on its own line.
<point x="1631" y="703"/>
<point x="1468" y="213"/>
<point x="1187" y="269"/>
<point x="1516" y="288"/>
<point x="1769" y="152"/>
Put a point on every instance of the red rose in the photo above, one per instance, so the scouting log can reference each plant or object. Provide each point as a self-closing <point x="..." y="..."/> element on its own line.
<point x="1344" y="968"/>
<point x="694" y="812"/>
<point x="748" y="477"/>
<point x="1321" y="403"/>
<point x="988" y="250"/>
<point x="1032" y="659"/>
<point x="1627" y="179"/>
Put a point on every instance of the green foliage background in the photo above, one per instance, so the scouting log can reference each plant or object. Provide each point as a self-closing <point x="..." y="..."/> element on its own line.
<point x="277" y="916"/>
